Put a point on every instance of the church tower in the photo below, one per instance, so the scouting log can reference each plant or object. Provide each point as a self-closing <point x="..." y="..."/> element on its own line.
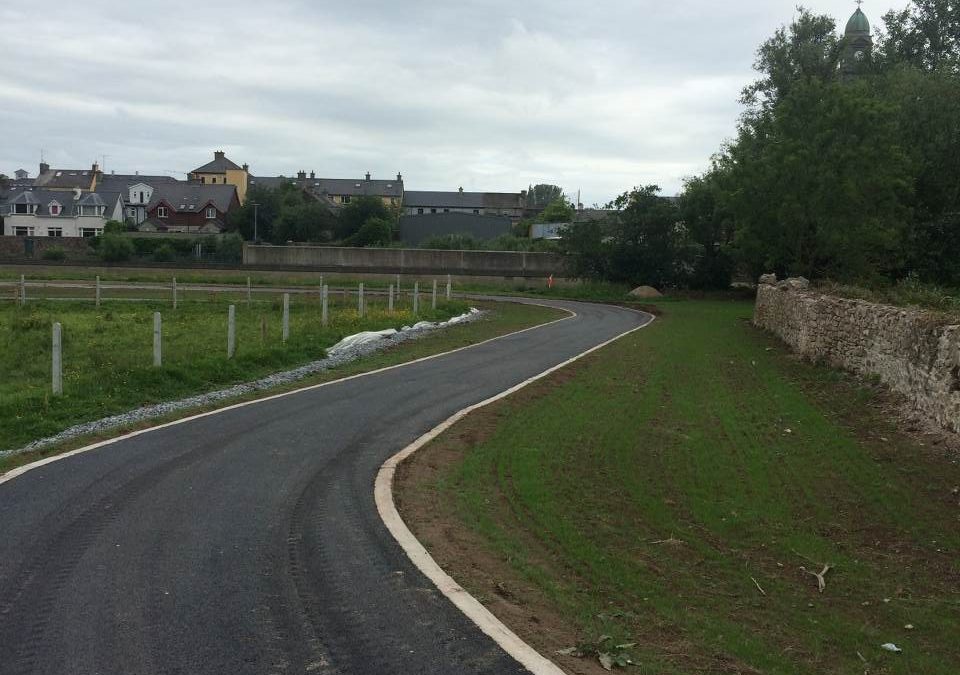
<point x="858" y="46"/>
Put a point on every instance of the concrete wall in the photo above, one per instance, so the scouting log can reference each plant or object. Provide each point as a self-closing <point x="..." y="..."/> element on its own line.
<point x="915" y="353"/>
<point x="407" y="261"/>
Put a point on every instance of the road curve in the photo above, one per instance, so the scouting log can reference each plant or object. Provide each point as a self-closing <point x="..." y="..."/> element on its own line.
<point x="249" y="541"/>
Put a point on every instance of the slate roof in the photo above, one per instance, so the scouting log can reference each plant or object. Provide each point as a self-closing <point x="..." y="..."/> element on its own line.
<point x="220" y="164"/>
<point x="44" y="198"/>
<point x="463" y="200"/>
<point x="334" y="186"/>
<point x="192" y="197"/>
<point x="65" y="178"/>
<point x="122" y="182"/>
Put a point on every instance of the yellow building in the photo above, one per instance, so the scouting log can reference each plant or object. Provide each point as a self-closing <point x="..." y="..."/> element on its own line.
<point x="221" y="171"/>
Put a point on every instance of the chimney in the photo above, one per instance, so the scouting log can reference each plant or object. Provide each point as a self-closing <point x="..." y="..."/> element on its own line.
<point x="44" y="167"/>
<point x="461" y="189"/>
<point x="399" y="177"/>
<point x="312" y="175"/>
<point x="76" y="194"/>
<point x="246" y="168"/>
<point x="302" y="175"/>
<point x="368" y="175"/>
<point x="95" y="168"/>
<point x="218" y="154"/>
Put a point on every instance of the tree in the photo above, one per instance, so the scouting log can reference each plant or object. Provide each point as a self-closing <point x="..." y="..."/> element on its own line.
<point x="710" y="225"/>
<point x="115" y="248"/>
<point x="355" y="214"/>
<point x="925" y="36"/>
<point x="375" y="231"/>
<point x="262" y="203"/>
<point x="304" y="221"/>
<point x="542" y="194"/>
<point x="114" y="227"/>
<point x="557" y="211"/>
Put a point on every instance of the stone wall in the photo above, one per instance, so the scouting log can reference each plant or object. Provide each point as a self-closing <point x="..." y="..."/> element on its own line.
<point x="915" y="353"/>
<point x="32" y="248"/>
<point x="407" y="261"/>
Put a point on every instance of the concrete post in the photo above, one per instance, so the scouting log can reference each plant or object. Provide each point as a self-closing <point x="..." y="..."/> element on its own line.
<point x="286" y="316"/>
<point x="416" y="298"/>
<point x="23" y="290"/>
<point x="390" y="299"/>
<point x="174" y="292"/>
<point x="231" y="331"/>
<point x="57" y="365"/>
<point x="97" y="294"/>
<point x="360" y="304"/>
<point x="249" y="298"/>
<point x="449" y="288"/>
<point x="157" y="340"/>
<point x="433" y="301"/>
<point x="325" y="306"/>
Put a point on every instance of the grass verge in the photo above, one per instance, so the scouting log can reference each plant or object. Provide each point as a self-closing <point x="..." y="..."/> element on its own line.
<point x="678" y="490"/>
<point x="110" y="353"/>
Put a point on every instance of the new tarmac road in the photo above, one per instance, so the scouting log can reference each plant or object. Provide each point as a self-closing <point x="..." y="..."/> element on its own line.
<point x="248" y="541"/>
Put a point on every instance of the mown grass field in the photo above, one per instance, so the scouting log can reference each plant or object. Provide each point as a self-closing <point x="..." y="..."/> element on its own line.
<point x="107" y="352"/>
<point x="677" y="490"/>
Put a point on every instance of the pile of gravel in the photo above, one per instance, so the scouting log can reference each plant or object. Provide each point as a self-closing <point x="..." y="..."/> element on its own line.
<point x="337" y="356"/>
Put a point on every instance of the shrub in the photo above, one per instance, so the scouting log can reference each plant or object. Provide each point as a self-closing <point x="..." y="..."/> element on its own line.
<point x="114" y="227"/>
<point x="164" y="253"/>
<point x="54" y="253"/>
<point x="115" y="248"/>
<point x="230" y="248"/>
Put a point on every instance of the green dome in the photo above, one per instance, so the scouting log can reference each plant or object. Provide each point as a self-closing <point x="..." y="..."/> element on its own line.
<point x="858" y="24"/>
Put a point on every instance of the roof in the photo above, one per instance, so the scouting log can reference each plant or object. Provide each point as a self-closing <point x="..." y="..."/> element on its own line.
<point x="44" y="198"/>
<point x="858" y="24"/>
<point x="464" y="200"/>
<point x="220" y="164"/>
<point x="333" y="186"/>
<point x="66" y="178"/>
<point x="191" y="197"/>
<point x="121" y="182"/>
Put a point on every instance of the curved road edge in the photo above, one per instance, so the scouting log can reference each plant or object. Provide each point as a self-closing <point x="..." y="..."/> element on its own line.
<point x="484" y="619"/>
<point x="20" y="470"/>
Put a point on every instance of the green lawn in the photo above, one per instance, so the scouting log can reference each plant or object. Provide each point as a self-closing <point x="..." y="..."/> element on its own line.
<point x="650" y="494"/>
<point x="108" y="352"/>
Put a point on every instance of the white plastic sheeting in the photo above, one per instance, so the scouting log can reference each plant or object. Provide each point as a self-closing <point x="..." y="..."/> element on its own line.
<point x="353" y="341"/>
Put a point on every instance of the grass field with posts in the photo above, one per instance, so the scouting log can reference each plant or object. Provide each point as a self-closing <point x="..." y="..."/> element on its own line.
<point x="108" y="351"/>
<point x="671" y="499"/>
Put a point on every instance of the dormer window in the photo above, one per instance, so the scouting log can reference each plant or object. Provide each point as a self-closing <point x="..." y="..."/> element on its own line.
<point x="161" y="212"/>
<point x="211" y="213"/>
<point x="55" y="208"/>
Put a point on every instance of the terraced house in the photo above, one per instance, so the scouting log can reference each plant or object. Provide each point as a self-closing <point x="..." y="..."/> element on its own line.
<point x="190" y="207"/>
<point x="40" y="212"/>
<point x="338" y="192"/>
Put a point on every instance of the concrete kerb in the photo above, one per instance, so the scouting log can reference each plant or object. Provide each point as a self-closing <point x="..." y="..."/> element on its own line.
<point x="483" y="618"/>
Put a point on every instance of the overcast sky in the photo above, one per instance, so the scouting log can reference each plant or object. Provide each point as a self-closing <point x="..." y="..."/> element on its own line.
<point x="490" y="95"/>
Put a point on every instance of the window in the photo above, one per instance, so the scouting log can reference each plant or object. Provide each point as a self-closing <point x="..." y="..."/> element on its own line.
<point x="55" y="232"/>
<point x="477" y="211"/>
<point x="88" y="232"/>
<point x="346" y="199"/>
<point x="25" y="209"/>
<point x="211" y="213"/>
<point x="132" y="213"/>
<point x="23" y="231"/>
<point x="161" y="212"/>
<point x="433" y="210"/>
<point x="420" y="211"/>
<point x="446" y="210"/>
<point x="55" y="209"/>
<point x="203" y="179"/>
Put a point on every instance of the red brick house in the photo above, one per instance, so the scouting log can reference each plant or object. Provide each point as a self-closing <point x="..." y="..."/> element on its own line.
<point x="190" y="207"/>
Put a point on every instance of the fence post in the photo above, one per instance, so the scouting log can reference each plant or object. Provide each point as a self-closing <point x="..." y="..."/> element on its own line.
<point x="324" y="305"/>
<point x="57" y="370"/>
<point x="263" y="329"/>
<point x="98" y="291"/>
<point x="23" y="290"/>
<point x="231" y="331"/>
<point x="434" y="298"/>
<point x="449" y="288"/>
<point x="286" y="316"/>
<point x="248" y="291"/>
<point x="174" y="292"/>
<point x="390" y="299"/>
<point x="360" y="300"/>
<point x="398" y="285"/>
<point x="157" y="340"/>
<point x="416" y="298"/>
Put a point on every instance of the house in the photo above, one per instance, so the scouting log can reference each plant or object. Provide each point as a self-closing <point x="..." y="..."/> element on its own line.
<point x="136" y="191"/>
<point x="222" y="171"/>
<point x="38" y="212"/>
<point x="21" y="174"/>
<point x="510" y="204"/>
<point x="67" y="180"/>
<point x="338" y="192"/>
<point x="190" y="207"/>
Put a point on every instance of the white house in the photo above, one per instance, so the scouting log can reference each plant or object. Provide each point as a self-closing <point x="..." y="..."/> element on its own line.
<point x="137" y="192"/>
<point x="50" y="213"/>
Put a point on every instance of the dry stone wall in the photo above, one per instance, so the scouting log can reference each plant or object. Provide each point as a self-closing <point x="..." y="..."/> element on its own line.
<point x="915" y="353"/>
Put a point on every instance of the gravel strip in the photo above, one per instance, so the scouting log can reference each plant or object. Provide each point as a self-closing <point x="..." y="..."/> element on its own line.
<point x="340" y="357"/>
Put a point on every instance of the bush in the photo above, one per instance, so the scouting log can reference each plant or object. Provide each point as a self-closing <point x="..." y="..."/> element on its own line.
<point x="115" y="248"/>
<point x="230" y="248"/>
<point x="114" y="227"/>
<point x="164" y="253"/>
<point x="452" y="242"/>
<point x="54" y="253"/>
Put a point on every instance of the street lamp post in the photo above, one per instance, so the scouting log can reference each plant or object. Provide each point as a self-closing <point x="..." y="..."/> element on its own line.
<point x="254" y="205"/>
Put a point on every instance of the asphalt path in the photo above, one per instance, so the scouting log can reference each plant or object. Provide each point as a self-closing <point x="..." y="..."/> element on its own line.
<point x="248" y="541"/>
